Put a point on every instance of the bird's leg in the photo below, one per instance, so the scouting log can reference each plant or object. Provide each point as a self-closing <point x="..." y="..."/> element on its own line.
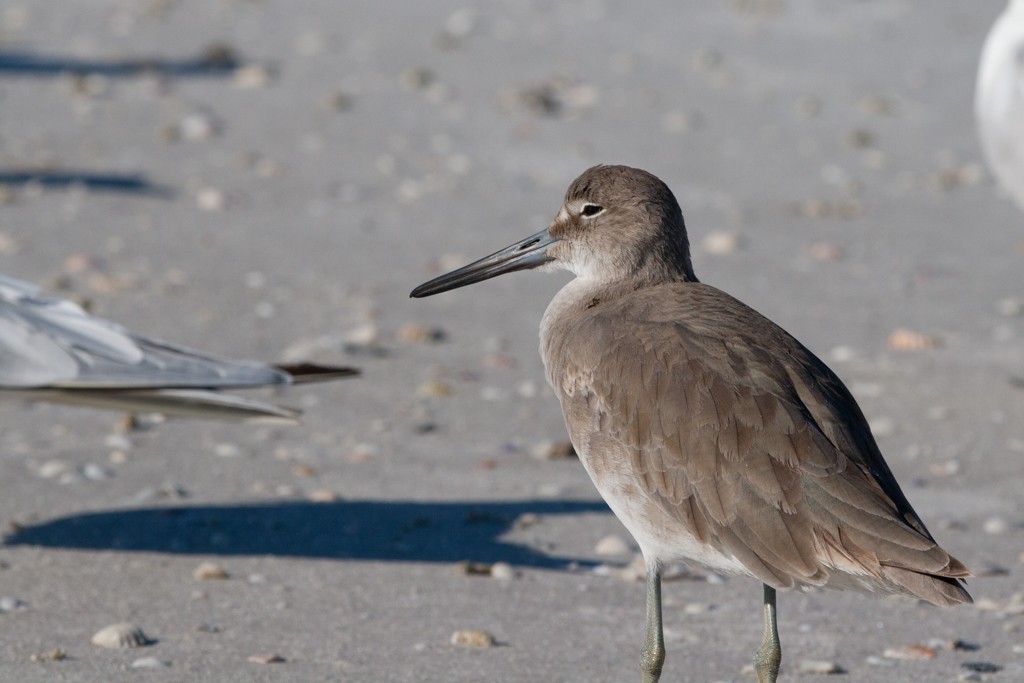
<point x="769" y="655"/>
<point x="653" y="655"/>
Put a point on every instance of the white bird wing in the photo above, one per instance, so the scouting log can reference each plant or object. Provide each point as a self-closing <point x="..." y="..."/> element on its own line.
<point x="53" y="350"/>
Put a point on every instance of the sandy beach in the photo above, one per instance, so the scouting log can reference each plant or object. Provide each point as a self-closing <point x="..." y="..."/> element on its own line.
<point x="269" y="179"/>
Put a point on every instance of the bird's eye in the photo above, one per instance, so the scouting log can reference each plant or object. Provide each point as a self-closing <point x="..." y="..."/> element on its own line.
<point x="589" y="210"/>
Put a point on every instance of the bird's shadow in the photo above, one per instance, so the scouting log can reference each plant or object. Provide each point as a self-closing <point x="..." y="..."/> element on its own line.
<point x="131" y="183"/>
<point x="215" y="61"/>
<point x="405" y="531"/>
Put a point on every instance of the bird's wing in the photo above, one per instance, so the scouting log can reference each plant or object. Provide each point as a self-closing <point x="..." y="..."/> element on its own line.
<point x="762" y="454"/>
<point x="191" y="403"/>
<point x="48" y="342"/>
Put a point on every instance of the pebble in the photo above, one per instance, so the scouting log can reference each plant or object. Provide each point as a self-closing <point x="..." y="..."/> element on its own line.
<point x="903" y="339"/>
<point x="612" y="545"/>
<point x="995" y="526"/>
<point x="434" y="388"/>
<point x="818" y="667"/>
<point x="210" y="199"/>
<point x="503" y="571"/>
<point x="323" y="496"/>
<point x="527" y="389"/>
<point x="981" y="667"/>
<point x="720" y="243"/>
<point x="96" y="472"/>
<point x="415" y="333"/>
<point x="251" y="76"/>
<point x="944" y="469"/>
<point x="912" y="652"/>
<point x="303" y="471"/>
<point x="8" y="245"/>
<point x="150" y="663"/>
<point x="119" y="442"/>
<point x="227" y="450"/>
<point x="490" y="393"/>
<point x="825" y="252"/>
<point x="527" y="520"/>
<point x="210" y="571"/>
<point x="362" y="453"/>
<point x="1010" y="307"/>
<point x="267" y="659"/>
<point x="677" y="122"/>
<point x="9" y="604"/>
<point x="121" y="635"/>
<point x="859" y="138"/>
<point x="460" y="23"/>
<point x="366" y="334"/>
<point x="808" y="105"/>
<point x="467" y="568"/>
<point x="198" y="126"/>
<point x="472" y="639"/>
<point x="53" y="468"/>
<point x="553" y="450"/>
<point x="54" y="655"/>
<point x="416" y="78"/>
<point x="339" y="101"/>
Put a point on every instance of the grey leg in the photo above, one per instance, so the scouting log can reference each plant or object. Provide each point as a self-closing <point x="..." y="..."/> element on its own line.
<point x="769" y="655"/>
<point x="653" y="656"/>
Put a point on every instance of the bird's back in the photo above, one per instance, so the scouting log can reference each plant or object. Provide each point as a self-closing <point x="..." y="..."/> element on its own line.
<point x="717" y="437"/>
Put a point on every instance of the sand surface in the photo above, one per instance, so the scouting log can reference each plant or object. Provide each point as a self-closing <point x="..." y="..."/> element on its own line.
<point x="269" y="179"/>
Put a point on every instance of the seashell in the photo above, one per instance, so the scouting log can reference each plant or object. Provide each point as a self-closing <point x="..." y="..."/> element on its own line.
<point x="903" y="339"/>
<point x="150" y="663"/>
<point x="721" y="242"/>
<point x="914" y="651"/>
<point x="210" y="571"/>
<point x="612" y="545"/>
<point x="472" y="639"/>
<point x="121" y="635"/>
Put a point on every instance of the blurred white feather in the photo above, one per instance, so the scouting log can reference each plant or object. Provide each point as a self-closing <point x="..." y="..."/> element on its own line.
<point x="999" y="100"/>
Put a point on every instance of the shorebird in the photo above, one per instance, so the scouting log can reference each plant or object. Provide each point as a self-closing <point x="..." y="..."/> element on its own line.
<point x="52" y="350"/>
<point x="999" y="100"/>
<point x="712" y="434"/>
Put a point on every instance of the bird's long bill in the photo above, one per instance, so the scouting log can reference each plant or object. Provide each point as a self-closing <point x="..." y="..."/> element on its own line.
<point x="528" y="253"/>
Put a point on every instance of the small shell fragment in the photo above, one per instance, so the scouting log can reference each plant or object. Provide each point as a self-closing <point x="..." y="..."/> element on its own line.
<point x="267" y="659"/>
<point x="472" y="639"/>
<point x="553" y="450"/>
<point x="467" y="568"/>
<point x="503" y="571"/>
<point x="121" y="635"/>
<point x="150" y="663"/>
<point x="903" y="339"/>
<point x="415" y="333"/>
<point x="720" y="243"/>
<point x="818" y="667"/>
<point x="612" y="545"/>
<point x="210" y="571"/>
<point x="56" y="655"/>
<point x="914" y="651"/>
<point x="9" y="604"/>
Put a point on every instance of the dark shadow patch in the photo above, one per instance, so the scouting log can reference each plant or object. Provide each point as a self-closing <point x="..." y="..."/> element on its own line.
<point x="214" y="61"/>
<point x="132" y="183"/>
<point x="390" y="531"/>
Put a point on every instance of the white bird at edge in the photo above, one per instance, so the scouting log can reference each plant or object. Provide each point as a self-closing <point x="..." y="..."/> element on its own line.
<point x="999" y="100"/>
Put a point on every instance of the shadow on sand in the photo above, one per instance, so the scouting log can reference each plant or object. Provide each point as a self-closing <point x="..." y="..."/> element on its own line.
<point x="132" y="183"/>
<point x="215" y="61"/>
<point x="405" y="531"/>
